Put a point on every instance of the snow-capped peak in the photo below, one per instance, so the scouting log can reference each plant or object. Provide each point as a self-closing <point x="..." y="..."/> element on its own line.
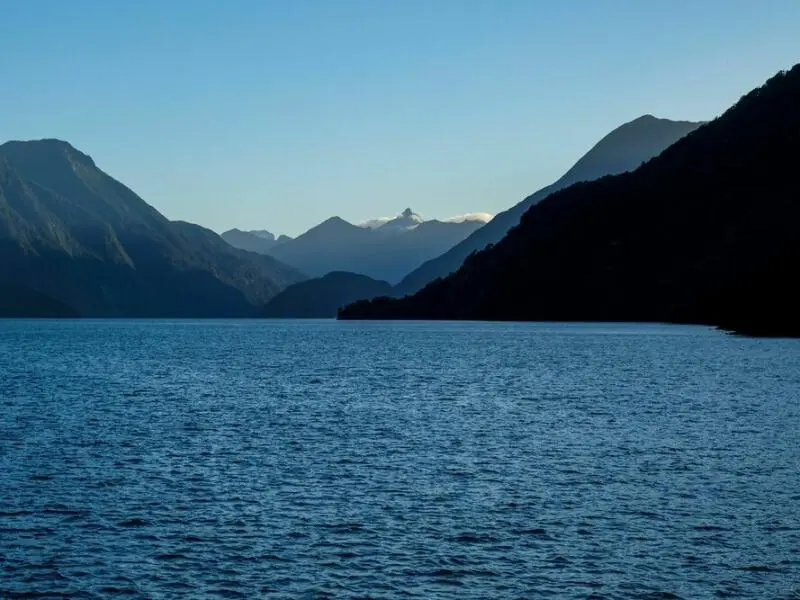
<point x="406" y="220"/>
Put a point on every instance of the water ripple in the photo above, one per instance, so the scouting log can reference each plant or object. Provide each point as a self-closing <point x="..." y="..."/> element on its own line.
<point x="239" y="459"/>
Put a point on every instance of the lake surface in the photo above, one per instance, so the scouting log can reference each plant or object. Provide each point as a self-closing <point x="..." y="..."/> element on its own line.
<point x="288" y="459"/>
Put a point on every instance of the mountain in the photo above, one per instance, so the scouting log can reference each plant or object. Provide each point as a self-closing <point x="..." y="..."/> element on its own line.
<point x="707" y="232"/>
<point x="23" y="302"/>
<point x="321" y="298"/>
<point x="415" y="240"/>
<point x="623" y="149"/>
<point x="385" y="251"/>
<point x="403" y="222"/>
<point x="260" y="241"/>
<point x="408" y="220"/>
<point x="70" y="231"/>
<point x="263" y="233"/>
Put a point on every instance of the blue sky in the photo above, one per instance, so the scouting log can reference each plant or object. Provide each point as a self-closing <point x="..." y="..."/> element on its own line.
<point x="277" y="115"/>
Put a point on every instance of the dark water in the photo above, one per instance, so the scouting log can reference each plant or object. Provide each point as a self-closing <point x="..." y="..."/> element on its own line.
<point x="344" y="460"/>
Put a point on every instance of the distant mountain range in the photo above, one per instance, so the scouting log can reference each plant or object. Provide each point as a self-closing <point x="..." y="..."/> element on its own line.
<point x="384" y="249"/>
<point x="74" y="234"/>
<point x="625" y="148"/>
<point x="260" y="241"/>
<point x="707" y="232"/>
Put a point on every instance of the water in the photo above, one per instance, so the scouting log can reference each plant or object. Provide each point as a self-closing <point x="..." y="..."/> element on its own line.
<point x="247" y="459"/>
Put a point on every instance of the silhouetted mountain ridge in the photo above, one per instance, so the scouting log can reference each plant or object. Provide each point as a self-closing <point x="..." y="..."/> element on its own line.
<point x="704" y="233"/>
<point x="623" y="149"/>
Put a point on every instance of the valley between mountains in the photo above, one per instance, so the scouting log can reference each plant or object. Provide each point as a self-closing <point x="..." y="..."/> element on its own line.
<point x="660" y="221"/>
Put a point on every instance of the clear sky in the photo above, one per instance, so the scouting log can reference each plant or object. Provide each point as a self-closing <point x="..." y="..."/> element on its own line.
<point x="277" y="115"/>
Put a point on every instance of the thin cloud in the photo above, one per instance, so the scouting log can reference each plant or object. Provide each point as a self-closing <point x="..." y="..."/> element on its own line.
<point x="373" y="223"/>
<point x="483" y="217"/>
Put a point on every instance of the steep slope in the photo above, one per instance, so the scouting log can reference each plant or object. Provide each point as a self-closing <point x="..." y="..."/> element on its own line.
<point x="244" y="270"/>
<point x="387" y="254"/>
<point x="707" y="232"/>
<point x="321" y="298"/>
<point x="22" y="302"/>
<point x="72" y="232"/>
<point x="623" y="149"/>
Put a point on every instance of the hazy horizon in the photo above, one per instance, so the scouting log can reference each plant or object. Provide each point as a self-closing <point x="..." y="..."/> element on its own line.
<point x="266" y="115"/>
